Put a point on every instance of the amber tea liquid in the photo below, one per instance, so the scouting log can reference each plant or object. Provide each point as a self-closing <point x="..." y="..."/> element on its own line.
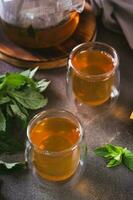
<point x="55" y="134"/>
<point x="91" y="81"/>
<point x="31" y="37"/>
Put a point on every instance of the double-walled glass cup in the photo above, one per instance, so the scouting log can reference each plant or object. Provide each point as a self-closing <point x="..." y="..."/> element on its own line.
<point x="93" y="75"/>
<point x="55" y="150"/>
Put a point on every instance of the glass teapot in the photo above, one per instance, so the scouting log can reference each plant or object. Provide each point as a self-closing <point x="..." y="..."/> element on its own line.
<point x="40" y="23"/>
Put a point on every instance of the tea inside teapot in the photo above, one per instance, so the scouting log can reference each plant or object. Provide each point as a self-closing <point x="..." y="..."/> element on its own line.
<point x="42" y="23"/>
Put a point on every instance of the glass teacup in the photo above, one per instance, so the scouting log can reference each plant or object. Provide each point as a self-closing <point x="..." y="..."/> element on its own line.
<point x="93" y="75"/>
<point x="55" y="146"/>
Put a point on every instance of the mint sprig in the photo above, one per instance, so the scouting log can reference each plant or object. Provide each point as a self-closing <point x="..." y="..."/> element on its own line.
<point x="116" y="155"/>
<point x="19" y="93"/>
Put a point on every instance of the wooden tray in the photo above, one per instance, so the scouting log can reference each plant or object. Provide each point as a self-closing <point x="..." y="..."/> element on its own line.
<point x="51" y="57"/>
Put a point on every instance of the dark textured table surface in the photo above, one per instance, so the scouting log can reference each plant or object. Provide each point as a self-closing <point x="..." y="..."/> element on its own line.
<point x="97" y="182"/>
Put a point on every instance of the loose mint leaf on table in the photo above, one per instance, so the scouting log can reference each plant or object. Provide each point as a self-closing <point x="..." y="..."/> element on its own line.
<point x="109" y="151"/>
<point x="115" y="155"/>
<point x="12" y="167"/>
<point x="113" y="163"/>
<point x="128" y="159"/>
<point x="102" y="152"/>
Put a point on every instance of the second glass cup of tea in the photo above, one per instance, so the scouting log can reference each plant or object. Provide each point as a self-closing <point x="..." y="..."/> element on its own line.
<point x="93" y="74"/>
<point x="54" y="150"/>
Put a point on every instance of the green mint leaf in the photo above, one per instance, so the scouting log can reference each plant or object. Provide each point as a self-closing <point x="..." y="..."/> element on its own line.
<point x="15" y="80"/>
<point x="116" y="155"/>
<point x="102" y="152"/>
<point x="128" y="159"/>
<point x="17" y="112"/>
<point x="2" y="77"/>
<point x="112" y="153"/>
<point x="9" y="111"/>
<point x="2" y="83"/>
<point x="24" y="110"/>
<point x="33" y="72"/>
<point x="113" y="149"/>
<point x="109" y="151"/>
<point x="4" y="100"/>
<point x="26" y="73"/>
<point x="2" y="122"/>
<point x="18" y="93"/>
<point x="29" y="98"/>
<point x="12" y="167"/>
<point x="29" y="73"/>
<point x="114" y="163"/>
<point x="42" y="85"/>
